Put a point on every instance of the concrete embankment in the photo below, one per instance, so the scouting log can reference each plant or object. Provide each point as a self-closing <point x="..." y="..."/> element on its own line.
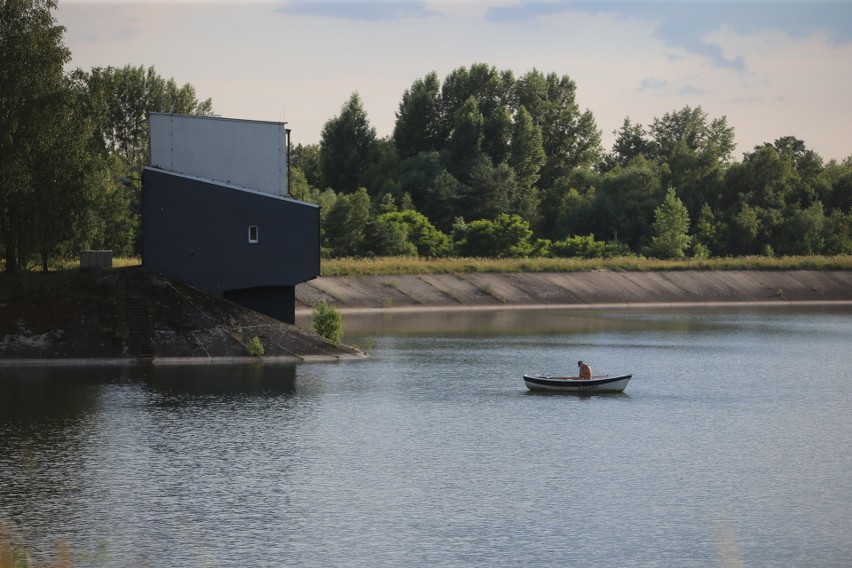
<point x="577" y="289"/>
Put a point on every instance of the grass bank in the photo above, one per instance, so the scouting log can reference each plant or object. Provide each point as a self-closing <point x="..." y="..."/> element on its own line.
<point x="387" y="266"/>
<point x="402" y="265"/>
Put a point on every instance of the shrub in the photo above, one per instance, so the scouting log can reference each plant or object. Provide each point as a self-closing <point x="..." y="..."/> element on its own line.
<point x="585" y="247"/>
<point x="328" y="321"/>
<point x="254" y="347"/>
<point x="507" y="236"/>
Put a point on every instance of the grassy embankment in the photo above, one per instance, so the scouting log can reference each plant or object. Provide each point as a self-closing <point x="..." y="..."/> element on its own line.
<point x="405" y="265"/>
<point x="388" y="266"/>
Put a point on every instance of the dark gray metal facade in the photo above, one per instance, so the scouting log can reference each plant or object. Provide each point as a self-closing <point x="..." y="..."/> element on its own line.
<point x="201" y="231"/>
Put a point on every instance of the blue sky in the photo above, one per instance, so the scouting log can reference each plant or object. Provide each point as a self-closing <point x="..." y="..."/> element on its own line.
<point x="773" y="68"/>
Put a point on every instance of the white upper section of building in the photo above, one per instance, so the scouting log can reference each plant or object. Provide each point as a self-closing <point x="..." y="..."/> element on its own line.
<point x="246" y="153"/>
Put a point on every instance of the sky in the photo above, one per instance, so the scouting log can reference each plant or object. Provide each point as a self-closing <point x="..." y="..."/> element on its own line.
<point x="771" y="68"/>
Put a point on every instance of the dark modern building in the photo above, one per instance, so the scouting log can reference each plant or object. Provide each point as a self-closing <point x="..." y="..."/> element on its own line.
<point x="251" y="245"/>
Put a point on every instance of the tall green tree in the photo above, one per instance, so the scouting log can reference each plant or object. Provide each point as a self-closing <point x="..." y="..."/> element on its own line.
<point x="570" y="137"/>
<point x="417" y="175"/>
<point x="348" y="147"/>
<point x="811" y="185"/>
<point x="671" y="228"/>
<point x="707" y="237"/>
<point x="625" y="202"/>
<point x="62" y="208"/>
<point x="489" y="191"/>
<point x="526" y="154"/>
<point x="713" y="140"/>
<point x="345" y="224"/>
<point x="696" y="150"/>
<point x="418" y="120"/>
<point x="745" y="229"/>
<point x="442" y="200"/>
<point x="307" y="159"/>
<point x="32" y="57"/>
<point x="631" y="141"/>
<point x="491" y="90"/>
<point x="120" y="100"/>
<point x="838" y="233"/>
<point x="464" y="147"/>
<point x="839" y="191"/>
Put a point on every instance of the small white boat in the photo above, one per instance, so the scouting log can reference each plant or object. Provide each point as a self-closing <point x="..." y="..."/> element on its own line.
<point x="576" y="385"/>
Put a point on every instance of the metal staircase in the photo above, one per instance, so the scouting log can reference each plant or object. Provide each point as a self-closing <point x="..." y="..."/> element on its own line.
<point x="138" y="319"/>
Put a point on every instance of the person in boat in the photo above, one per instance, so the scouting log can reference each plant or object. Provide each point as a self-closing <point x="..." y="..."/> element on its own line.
<point x="585" y="370"/>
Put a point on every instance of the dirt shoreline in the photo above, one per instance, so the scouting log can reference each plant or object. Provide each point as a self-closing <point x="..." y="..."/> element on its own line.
<point x="587" y="290"/>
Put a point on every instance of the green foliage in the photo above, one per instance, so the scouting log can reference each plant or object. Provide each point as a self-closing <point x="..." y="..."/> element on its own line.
<point x="489" y="90"/>
<point x="671" y="226"/>
<point x="507" y="236"/>
<point x="707" y="235"/>
<point x="464" y="147"/>
<point x="120" y="100"/>
<point x="328" y="321"/>
<point x="689" y="129"/>
<point x="411" y="233"/>
<point x="570" y="138"/>
<point x="254" y="348"/>
<point x="32" y="89"/>
<point x="392" y="239"/>
<point x="417" y="127"/>
<point x="347" y="147"/>
<point x="344" y="223"/>
<point x="526" y="155"/>
<point x="442" y="200"/>
<point x="488" y="191"/>
<point x="306" y="159"/>
<point x="625" y="202"/>
<point x="801" y="232"/>
<point x="744" y="228"/>
<point x="631" y="141"/>
<point x="584" y="247"/>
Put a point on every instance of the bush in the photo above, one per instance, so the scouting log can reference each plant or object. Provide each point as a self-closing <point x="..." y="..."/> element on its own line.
<point x="254" y="347"/>
<point x="585" y="247"/>
<point x="328" y="321"/>
<point x="507" y="236"/>
<point x="409" y="233"/>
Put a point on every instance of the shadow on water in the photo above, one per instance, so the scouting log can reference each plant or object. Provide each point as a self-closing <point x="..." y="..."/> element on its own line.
<point x="34" y="394"/>
<point x="578" y="395"/>
<point x="222" y="380"/>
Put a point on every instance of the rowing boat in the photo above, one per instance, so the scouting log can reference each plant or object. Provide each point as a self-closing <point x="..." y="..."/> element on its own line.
<point x="576" y="385"/>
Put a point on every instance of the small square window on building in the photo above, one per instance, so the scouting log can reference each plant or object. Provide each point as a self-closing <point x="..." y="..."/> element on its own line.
<point x="252" y="234"/>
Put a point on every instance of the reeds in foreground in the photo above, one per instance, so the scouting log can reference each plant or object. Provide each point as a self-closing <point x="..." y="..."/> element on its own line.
<point x="14" y="554"/>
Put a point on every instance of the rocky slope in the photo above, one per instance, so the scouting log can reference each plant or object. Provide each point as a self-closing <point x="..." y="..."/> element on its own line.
<point x="127" y="315"/>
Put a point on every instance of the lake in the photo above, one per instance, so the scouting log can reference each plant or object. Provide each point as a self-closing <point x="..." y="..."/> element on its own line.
<point x="732" y="446"/>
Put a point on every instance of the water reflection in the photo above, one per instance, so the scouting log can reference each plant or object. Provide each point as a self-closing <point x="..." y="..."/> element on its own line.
<point x="538" y="321"/>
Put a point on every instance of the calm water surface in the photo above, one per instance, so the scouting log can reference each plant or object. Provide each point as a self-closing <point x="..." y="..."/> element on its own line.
<point x="732" y="446"/>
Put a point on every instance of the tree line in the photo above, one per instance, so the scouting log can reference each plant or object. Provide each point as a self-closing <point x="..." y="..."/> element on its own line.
<point x="488" y="164"/>
<point x="72" y="145"/>
<point x="481" y="163"/>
